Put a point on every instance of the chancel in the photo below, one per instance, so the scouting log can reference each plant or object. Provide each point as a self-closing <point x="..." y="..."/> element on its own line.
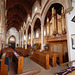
<point x="37" y="37"/>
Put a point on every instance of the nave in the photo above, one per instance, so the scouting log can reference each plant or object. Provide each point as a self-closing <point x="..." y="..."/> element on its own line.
<point x="29" y="65"/>
<point x="37" y="37"/>
<point x="19" y="64"/>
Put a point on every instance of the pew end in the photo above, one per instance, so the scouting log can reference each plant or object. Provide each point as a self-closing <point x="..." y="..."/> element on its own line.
<point x="3" y="67"/>
<point x="41" y="59"/>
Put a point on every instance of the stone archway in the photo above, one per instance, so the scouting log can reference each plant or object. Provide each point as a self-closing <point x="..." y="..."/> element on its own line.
<point x="65" y="3"/>
<point x="55" y="29"/>
<point x="12" y="41"/>
<point x="29" y="34"/>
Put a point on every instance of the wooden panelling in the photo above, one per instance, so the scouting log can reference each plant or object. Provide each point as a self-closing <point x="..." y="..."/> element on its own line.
<point x="60" y="46"/>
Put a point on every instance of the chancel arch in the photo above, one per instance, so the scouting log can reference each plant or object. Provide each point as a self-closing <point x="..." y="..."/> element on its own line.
<point x="12" y="41"/>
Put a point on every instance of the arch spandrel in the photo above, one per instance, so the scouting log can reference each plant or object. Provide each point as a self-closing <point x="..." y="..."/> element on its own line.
<point x="36" y="16"/>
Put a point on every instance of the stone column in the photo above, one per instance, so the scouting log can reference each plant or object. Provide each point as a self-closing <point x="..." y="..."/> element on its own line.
<point x="48" y="26"/>
<point x="26" y="39"/>
<point x="3" y="38"/>
<point x="0" y="41"/>
<point x="4" y="43"/>
<point x="31" y="35"/>
<point x="0" y="31"/>
<point x="0" y="25"/>
<point x="22" y="38"/>
<point x="19" y="38"/>
<point x="42" y="37"/>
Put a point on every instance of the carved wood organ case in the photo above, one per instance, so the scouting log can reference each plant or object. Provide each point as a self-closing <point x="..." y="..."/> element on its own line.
<point x="56" y="31"/>
<point x="57" y="23"/>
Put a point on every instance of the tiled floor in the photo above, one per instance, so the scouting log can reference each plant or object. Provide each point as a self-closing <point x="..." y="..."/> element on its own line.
<point x="31" y="65"/>
<point x="11" y="68"/>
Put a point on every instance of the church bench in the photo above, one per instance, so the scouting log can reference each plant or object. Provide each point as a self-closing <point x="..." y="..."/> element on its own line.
<point x="41" y="59"/>
<point x="22" y="51"/>
<point x="18" y="63"/>
<point x="53" y="57"/>
<point x="32" y="72"/>
<point x="3" y="67"/>
<point x="5" y="50"/>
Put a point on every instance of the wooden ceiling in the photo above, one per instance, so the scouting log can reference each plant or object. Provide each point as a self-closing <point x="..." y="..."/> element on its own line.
<point x="17" y="11"/>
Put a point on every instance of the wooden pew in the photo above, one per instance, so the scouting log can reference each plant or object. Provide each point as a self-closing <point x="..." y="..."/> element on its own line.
<point x="22" y="51"/>
<point x="32" y="72"/>
<point x="41" y="59"/>
<point x="53" y="56"/>
<point x="18" y="63"/>
<point x="3" y="67"/>
<point x="5" y="50"/>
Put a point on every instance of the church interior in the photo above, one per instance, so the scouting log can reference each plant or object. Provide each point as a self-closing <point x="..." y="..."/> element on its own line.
<point x="37" y="37"/>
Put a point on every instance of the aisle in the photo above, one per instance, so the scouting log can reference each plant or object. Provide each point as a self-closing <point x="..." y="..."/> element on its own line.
<point x="31" y="65"/>
<point x="11" y="68"/>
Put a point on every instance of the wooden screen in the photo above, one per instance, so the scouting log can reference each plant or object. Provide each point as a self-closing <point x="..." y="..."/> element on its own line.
<point x="60" y="47"/>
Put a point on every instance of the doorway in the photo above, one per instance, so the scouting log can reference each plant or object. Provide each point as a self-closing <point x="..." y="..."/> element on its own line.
<point x="12" y="41"/>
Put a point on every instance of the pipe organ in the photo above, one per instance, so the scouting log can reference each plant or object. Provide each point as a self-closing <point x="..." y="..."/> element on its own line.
<point x="55" y="26"/>
<point x="59" y="27"/>
<point x="57" y="23"/>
